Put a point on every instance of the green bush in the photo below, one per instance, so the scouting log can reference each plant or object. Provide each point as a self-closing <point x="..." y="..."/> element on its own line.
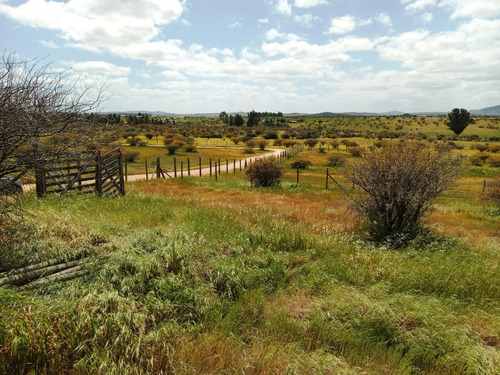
<point x="263" y="173"/>
<point x="130" y="156"/>
<point x="301" y="164"/>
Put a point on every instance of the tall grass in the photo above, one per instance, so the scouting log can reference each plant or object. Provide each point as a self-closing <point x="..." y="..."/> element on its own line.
<point x="181" y="285"/>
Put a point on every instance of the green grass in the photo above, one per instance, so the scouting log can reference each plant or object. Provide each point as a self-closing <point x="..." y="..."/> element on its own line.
<point x="196" y="283"/>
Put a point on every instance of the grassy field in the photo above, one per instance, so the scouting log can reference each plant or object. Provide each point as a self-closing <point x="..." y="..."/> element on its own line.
<point x="197" y="276"/>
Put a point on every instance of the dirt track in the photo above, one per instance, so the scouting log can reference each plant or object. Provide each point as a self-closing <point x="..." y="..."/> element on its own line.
<point x="206" y="171"/>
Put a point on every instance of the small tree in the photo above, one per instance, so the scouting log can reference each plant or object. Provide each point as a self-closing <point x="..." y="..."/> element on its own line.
<point x="262" y="144"/>
<point x="263" y="173"/>
<point x="399" y="183"/>
<point x="458" y="120"/>
<point x="311" y="142"/>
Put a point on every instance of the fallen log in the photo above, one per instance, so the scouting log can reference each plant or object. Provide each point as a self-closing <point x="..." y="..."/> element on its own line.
<point x="31" y="274"/>
<point x="66" y="274"/>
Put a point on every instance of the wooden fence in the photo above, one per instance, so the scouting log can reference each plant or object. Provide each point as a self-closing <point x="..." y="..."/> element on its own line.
<point x="86" y="172"/>
<point x="215" y="167"/>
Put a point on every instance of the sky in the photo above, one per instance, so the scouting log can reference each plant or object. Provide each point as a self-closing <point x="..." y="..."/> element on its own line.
<point x="306" y="56"/>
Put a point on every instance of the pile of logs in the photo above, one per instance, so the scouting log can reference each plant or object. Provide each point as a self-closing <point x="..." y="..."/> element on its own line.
<point x="43" y="273"/>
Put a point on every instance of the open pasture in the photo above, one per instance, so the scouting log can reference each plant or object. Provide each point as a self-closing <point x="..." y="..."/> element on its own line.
<point x="198" y="276"/>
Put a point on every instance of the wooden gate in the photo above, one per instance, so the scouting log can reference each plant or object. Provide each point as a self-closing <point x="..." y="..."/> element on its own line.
<point x="86" y="172"/>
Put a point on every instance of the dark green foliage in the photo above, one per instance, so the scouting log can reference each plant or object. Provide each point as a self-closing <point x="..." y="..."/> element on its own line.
<point x="458" y="120"/>
<point x="301" y="164"/>
<point x="130" y="156"/>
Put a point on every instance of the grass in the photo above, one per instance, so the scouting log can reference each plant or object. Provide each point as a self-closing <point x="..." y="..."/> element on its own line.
<point x="198" y="276"/>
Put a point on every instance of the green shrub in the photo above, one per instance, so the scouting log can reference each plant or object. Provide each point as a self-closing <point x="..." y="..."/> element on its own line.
<point x="263" y="173"/>
<point x="301" y="164"/>
<point x="130" y="156"/>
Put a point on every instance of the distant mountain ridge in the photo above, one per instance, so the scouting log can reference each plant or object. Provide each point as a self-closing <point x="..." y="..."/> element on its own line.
<point x="488" y="111"/>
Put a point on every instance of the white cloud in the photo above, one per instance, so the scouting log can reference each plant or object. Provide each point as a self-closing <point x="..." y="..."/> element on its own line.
<point x="427" y="17"/>
<point x="97" y="24"/>
<point x="275" y="34"/>
<point x="306" y="20"/>
<point x="469" y="53"/>
<point x="283" y="7"/>
<point x="472" y="9"/>
<point x="418" y="5"/>
<point x="384" y="19"/>
<point x="342" y="25"/>
<point x="100" y="67"/>
<point x="309" y="3"/>
<point x="235" y="25"/>
<point x="49" y="44"/>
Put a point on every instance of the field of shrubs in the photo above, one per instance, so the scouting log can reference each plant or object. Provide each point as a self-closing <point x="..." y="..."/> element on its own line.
<point x="205" y="276"/>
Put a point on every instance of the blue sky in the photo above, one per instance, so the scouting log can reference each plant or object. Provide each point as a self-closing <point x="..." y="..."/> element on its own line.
<point x="268" y="55"/>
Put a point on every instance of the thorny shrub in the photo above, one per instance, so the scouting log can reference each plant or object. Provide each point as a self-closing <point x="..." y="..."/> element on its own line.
<point x="263" y="173"/>
<point x="399" y="183"/>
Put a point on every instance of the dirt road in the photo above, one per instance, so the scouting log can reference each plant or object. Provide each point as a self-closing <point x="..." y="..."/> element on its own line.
<point x="206" y="171"/>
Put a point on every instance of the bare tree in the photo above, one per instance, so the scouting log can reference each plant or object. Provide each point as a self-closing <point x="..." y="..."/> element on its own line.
<point x="399" y="183"/>
<point x="44" y="113"/>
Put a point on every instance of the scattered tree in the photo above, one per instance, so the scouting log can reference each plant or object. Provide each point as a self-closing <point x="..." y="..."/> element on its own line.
<point x="253" y="118"/>
<point x="224" y="118"/>
<point x="238" y="120"/>
<point x="458" y="120"/>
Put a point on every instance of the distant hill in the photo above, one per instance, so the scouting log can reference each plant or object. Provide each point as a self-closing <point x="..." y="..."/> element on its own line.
<point x="489" y="111"/>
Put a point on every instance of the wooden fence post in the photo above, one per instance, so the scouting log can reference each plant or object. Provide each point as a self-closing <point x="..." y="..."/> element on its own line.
<point x="146" y="161"/>
<point x="326" y="185"/>
<point x="218" y="161"/>
<point x="189" y="168"/>
<point x="199" y="163"/>
<point x="158" y="168"/>
<point x="234" y="165"/>
<point x="120" y="168"/>
<point x="175" y="167"/>
<point x="297" y="175"/>
<point x="98" y="174"/>
<point x="41" y="188"/>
